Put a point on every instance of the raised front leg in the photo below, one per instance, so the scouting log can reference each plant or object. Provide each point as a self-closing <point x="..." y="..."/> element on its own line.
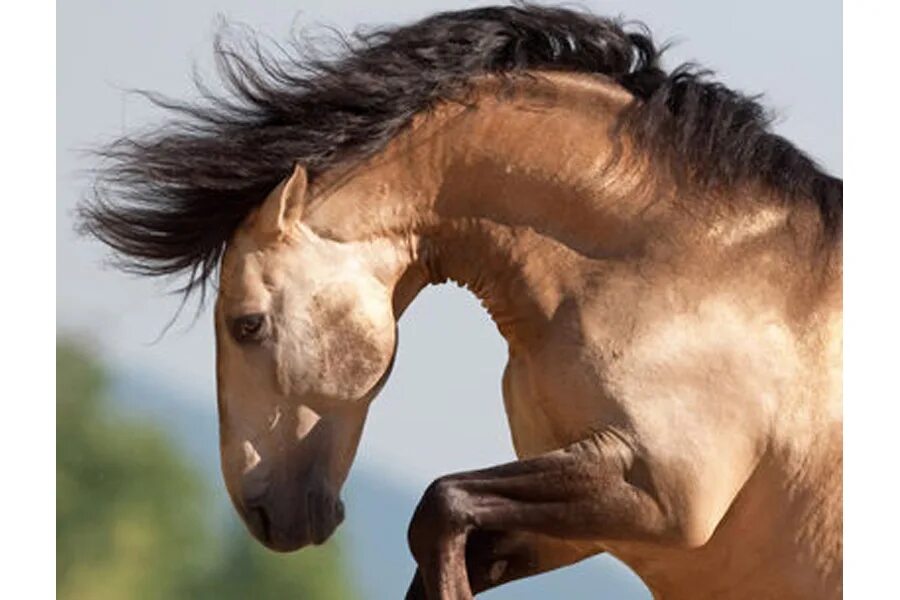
<point x="597" y="489"/>
<point x="497" y="557"/>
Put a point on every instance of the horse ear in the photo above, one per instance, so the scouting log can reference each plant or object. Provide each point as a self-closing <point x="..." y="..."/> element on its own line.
<point x="284" y="206"/>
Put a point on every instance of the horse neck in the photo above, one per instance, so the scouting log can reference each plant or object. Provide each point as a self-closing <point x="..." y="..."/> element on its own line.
<point x="515" y="199"/>
<point x="507" y="199"/>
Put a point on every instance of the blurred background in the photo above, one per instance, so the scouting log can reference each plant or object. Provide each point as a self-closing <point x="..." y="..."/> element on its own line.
<point x="141" y="508"/>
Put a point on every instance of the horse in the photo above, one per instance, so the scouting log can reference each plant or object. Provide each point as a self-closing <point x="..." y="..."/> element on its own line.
<point x="665" y="270"/>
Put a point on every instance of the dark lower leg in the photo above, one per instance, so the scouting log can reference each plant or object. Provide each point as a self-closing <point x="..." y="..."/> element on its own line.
<point x="497" y="557"/>
<point x="593" y="490"/>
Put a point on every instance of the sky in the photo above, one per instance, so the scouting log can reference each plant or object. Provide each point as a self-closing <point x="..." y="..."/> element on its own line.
<point x="441" y="411"/>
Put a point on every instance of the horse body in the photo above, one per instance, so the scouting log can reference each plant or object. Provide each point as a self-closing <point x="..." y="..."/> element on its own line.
<point x="673" y="386"/>
<point x="697" y="340"/>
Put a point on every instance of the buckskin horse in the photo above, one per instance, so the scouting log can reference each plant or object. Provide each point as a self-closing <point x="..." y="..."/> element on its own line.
<point x="665" y="270"/>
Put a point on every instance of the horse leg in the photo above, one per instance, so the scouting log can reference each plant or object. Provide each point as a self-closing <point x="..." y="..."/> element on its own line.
<point x="497" y="557"/>
<point x="596" y="489"/>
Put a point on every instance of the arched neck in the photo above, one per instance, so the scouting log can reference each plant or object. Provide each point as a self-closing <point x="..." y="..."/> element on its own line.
<point x="506" y="199"/>
<point x="508" y="270"/>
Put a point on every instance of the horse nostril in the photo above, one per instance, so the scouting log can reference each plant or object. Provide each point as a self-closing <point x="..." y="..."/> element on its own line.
<point x="254" y="486"/>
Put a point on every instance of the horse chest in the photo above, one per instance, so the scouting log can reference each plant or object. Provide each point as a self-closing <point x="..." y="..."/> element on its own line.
<point x="559" y="392"/>
<point x="547" y="413"/>
<point x="528" y="424"/>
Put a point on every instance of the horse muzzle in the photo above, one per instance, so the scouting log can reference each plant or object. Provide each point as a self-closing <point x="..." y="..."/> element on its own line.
<point x="286" y="525"/>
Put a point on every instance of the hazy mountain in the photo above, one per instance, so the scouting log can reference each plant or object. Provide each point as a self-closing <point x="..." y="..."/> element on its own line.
<point x="378" y="511"/>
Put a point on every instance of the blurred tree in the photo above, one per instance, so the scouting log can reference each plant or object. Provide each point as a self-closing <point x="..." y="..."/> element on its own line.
<point x="131" y="518"/>
<point x="312" y="573"/>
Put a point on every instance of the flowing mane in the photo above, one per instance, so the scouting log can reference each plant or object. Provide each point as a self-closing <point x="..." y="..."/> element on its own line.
<point x="168" y="201"/>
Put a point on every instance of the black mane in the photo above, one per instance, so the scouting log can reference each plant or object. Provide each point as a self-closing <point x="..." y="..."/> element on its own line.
<point x="167" y="202"/>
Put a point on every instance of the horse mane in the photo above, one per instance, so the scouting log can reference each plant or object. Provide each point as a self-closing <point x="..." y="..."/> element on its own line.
<point x="167" y="201"/>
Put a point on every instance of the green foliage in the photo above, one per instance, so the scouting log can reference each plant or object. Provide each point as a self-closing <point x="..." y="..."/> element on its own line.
<point x="132" y="515"/>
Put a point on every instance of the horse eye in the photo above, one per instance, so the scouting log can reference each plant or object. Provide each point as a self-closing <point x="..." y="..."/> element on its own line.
<point x="249" y="328"/>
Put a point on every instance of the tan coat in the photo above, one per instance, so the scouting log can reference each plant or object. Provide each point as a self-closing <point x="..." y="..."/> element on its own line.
<point x="674" y="378"/>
